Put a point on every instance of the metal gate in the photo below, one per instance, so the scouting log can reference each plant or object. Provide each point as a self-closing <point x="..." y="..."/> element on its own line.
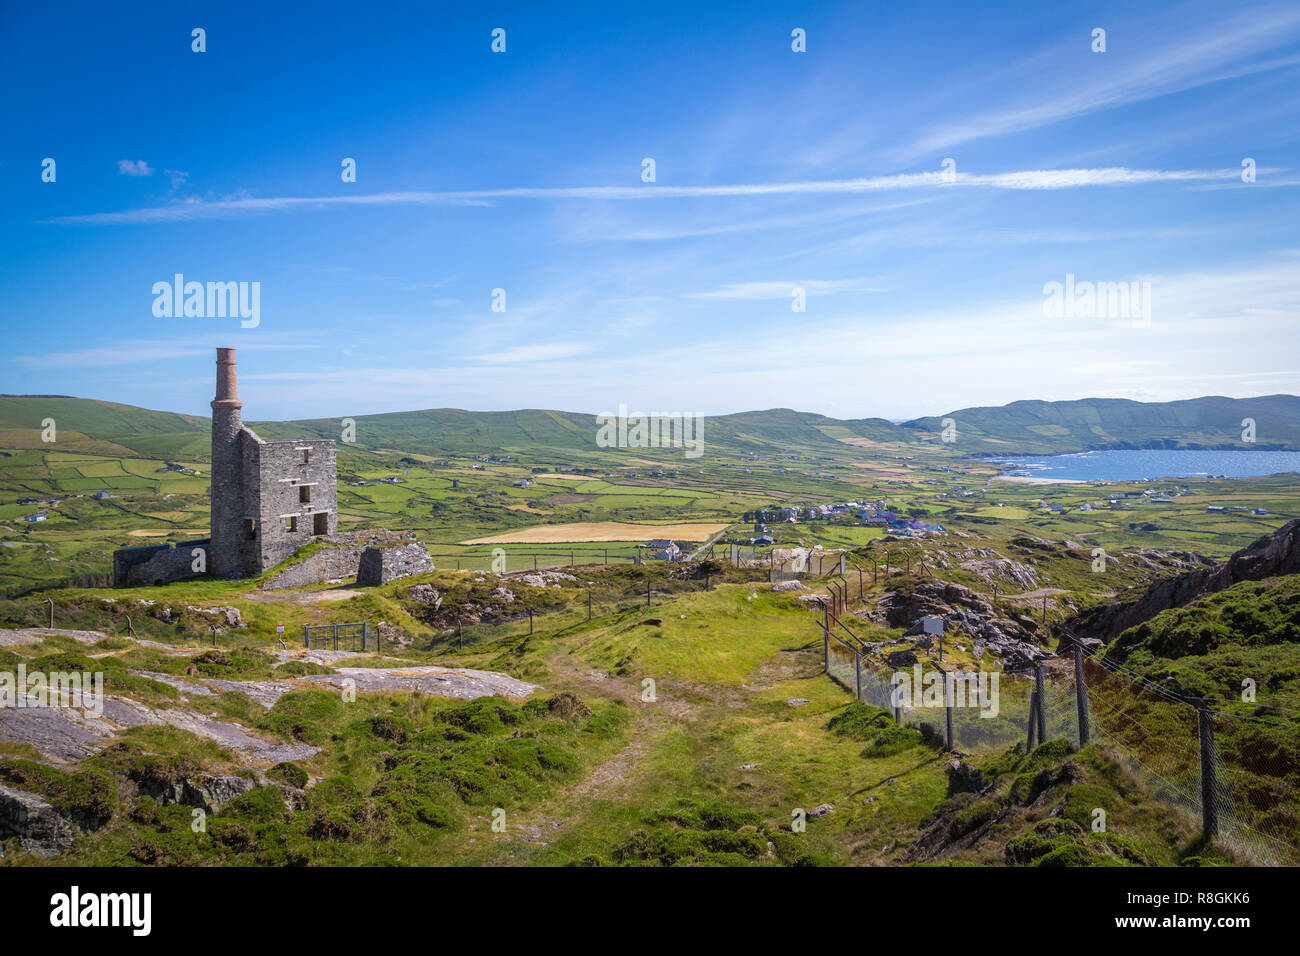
<point x="338" y="637"/>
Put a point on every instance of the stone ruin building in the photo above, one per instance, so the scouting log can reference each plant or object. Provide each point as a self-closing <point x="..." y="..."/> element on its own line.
<point x="269" y="498"/>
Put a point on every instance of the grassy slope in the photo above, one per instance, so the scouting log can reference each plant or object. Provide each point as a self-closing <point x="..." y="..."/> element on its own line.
<point x="1036" y="427"/>
<point x="711" y="771"/>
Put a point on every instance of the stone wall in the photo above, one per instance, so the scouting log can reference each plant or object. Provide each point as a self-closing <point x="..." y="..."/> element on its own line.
<point x="287" y="472"/>
<point x="157" y="564"/>
<point x="338" y="557"/>
<point x="380" y="565"/>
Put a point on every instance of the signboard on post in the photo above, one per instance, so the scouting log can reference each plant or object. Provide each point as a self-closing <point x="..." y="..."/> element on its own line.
<point x="932" y="624"/>
<point x="279" y="628"/>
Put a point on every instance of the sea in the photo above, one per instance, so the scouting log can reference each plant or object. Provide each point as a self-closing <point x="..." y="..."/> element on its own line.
<point x="1138" y="464"/>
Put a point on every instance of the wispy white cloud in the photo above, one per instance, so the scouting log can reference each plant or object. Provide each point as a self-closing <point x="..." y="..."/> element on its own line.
<point x="134" y="167"/>
<point x="141" y="351"/>
<point x="1033" y="179"/>
<point x="739" y="291"/>
<point x="1222" y="49"/>
<point x="534" y="353"/>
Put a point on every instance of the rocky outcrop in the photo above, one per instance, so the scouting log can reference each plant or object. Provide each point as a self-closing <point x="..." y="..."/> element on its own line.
<point x="1272" y="555"/>
<point x="1003" y="569"/>
<point x="40" y="828"/>
<point x="208" y="791"/>
<point x="543" y="579"/>
<point x="961" y="608"/>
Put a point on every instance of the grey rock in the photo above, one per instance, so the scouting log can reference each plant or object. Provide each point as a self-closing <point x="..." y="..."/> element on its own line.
<point x="208" y="791"/>
<point x="41" y="830"/>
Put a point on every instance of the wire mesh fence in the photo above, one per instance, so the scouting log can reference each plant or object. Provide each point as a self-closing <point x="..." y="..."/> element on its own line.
<point x="509" y="561"/>
<point x="603" y="602"/>
<point x="1236" y="775"/>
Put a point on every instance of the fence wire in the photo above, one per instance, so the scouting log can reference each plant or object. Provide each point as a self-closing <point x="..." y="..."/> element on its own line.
<point x="1153" y="729"/>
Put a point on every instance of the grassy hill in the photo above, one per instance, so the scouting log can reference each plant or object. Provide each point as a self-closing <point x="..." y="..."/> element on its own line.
<point x="1026" y="427"/>
<point x="94" y="418"/>
<point x="1034" y="427"/>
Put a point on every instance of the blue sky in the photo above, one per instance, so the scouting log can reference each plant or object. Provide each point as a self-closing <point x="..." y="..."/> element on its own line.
<point x="522" y="171"/>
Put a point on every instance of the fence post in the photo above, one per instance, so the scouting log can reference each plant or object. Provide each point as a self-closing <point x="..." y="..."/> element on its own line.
<point x="857" y="671"/>
<point x="530" y="620"/>
<point x="51" y="600"/>
<point x="365" y="636"/>
<point x="947" y="707"/>
<point x="534" y="562"/>
<point x="1041" y="694"/>
<point x="826" y="637"/>
<point x="859" y="584"/>
<point x="1081" y="693"/>
<point x="1209" y="784"/>
<point x="1033" y="716"/>
<point x="607" y="555"/>
<point x="306" y="636"/>
<point x="647" y="592"/>
<point x="589" y="603"/>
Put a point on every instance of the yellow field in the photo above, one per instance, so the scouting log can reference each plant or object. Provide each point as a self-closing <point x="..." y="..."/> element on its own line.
<point x="602" y="531"/>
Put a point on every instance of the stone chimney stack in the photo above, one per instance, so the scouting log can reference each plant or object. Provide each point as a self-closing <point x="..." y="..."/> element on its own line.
<point x="228" y="505"/>
<point x="227" y="392"/>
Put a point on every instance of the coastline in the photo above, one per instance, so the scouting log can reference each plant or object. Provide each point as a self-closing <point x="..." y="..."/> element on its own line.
<point x="1031" y="480"/>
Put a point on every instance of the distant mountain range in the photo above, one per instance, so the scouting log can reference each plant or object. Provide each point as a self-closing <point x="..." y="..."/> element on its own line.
<point x="1026" y="427"/>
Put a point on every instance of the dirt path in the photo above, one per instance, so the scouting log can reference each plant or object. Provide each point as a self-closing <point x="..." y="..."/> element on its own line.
<point x="618" y="773"/>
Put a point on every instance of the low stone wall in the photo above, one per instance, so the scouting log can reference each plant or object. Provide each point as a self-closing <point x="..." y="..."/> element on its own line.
<point x="383" y="564"/>
<point x="157" y="564"/>
<point x="338" y="557"/>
